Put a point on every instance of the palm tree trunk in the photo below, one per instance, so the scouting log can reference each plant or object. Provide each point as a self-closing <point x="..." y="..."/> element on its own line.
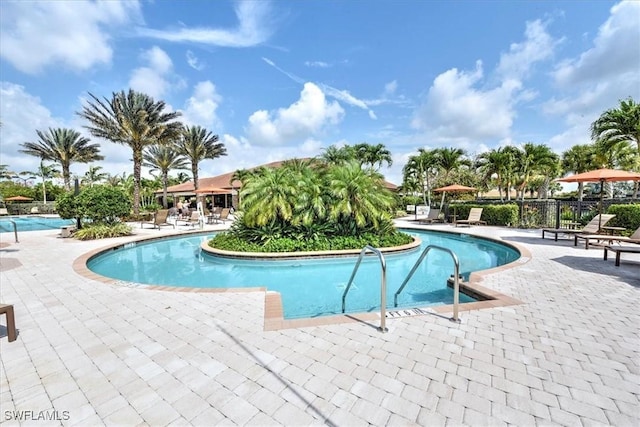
<point x="165" y="184"/>
<point x="137" y="163"/>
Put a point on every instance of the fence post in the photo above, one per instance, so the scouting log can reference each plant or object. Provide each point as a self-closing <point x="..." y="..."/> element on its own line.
<point x="557" y="213"/>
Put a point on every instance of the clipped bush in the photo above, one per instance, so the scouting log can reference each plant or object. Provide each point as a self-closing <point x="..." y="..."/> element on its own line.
<point x="505" y="215"/>
<point x="103" y="204"/>
<point x="67" y="205"/>
<point x="627" y="216"/>
<point x="103" y="231"/>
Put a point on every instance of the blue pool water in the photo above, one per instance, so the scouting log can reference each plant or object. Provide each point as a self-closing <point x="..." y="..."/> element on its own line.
<point x="308" y="288"/>
<point x="33" y="223"/>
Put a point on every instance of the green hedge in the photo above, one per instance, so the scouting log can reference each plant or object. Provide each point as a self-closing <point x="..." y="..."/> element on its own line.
<point x="627" y="216"/>
<point x="505" y="215"/>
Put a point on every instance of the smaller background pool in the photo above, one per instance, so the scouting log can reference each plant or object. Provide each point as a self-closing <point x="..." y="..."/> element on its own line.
<point x="33" y="223"/>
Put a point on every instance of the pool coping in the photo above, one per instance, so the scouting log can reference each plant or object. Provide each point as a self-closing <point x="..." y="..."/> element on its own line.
<point x="273" y="310"/>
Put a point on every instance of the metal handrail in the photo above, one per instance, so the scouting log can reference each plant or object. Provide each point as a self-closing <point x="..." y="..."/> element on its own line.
<point x="383" y="284"/>
<point x="456" y="283"/>
<point x="15" y="229"/>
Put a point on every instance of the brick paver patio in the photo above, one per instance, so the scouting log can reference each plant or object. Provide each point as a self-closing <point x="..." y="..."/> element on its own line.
<point x="90" y="353"/>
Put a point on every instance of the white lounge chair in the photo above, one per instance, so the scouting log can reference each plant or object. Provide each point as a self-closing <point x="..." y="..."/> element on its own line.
<point x="474" y="218"/>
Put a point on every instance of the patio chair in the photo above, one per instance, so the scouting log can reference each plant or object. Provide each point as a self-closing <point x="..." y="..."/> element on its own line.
<point x="35" y="210"/>
<point x="4" y="211"/>
<point x="634" y="238"/>
<point x="224" y="215"/>
<point x="159" y="219"/>
<point x="431" y="217"/>
<point x="593" y="227"/>
<point x="473" y="219"/>
<point x="193" y="220"/>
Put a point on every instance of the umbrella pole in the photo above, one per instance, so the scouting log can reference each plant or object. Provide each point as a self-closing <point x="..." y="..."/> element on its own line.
<point x="600" y="207"/>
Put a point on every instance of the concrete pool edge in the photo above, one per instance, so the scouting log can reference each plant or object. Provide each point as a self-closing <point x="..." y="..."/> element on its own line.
<point x="273" y="311"/>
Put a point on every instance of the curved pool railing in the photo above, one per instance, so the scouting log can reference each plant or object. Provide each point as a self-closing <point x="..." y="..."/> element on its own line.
<point x="383" y="283"/>
<point x="456" y="278"/>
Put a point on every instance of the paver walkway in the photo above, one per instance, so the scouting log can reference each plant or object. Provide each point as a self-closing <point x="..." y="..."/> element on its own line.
<point x="89" y="353"/>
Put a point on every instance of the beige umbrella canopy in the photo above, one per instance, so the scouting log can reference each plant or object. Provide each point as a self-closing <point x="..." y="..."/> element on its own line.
<point x="454" y="188"/>
<point x="602" y="176"/>
<point x="211" y="190"/>
<point x="18" y="199"/>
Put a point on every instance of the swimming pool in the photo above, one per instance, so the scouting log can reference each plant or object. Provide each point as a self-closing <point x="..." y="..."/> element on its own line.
<point x="308" y="287"/>
<point x="33" y="223"/>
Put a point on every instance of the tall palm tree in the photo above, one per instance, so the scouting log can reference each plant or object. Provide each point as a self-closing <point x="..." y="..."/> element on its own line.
<point x="450" y="159"/>
<point x="536" y="159"/>
<point x="240" y="175"/>
<point x="197" y="144"/>
<point x="5" y="173"/>
<point x="578" y="159"/>
<point x="133" y="119"/>
<point x="94" y="175"/>
<point x="619" y="125"/>
<point x="420" y="170"/>
<point x="372" y="155"/>
<point x="63" y="146"/>
<point x="163" y="159"/>
<point x="46" y="172"/>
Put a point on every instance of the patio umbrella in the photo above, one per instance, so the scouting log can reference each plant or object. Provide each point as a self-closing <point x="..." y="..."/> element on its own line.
<point x="18" y="199"/>
<point x="211" y="190"/>
<point x="454" y="188"/>
<point x="602" y="176"/>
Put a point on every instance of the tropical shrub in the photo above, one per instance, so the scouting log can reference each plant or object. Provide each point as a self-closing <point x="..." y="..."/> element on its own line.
<point x="67" y="205"/>
<point x="102" y="231"/>
<point x="627" y="216"/>
<point x="307" y="205"/>
<point x="103" y="204"/>
<point x="505" y="215"/>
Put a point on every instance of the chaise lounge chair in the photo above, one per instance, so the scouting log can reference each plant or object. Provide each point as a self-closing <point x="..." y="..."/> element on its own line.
<point x="635" y="249"/>
<point x="634" y="238"/>
<point x="224" y="215"/>
<point x="473" y="219"/>
<point x="159" y="219"/>
<point x="593" y="227"/>
<point x="4" y="211"/>
<point x="432" y="217"/>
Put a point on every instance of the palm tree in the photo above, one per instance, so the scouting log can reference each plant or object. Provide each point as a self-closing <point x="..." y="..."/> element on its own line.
<point x="197" y="144"/>
<point x="46" y="172"/>
<point x="94" y="175"/>
<point x="578" y="159"/>
<point x="372" y="155"/>
<point x="5" y="173"/>
<point x="63" y="146"/>
<point x="334" y="155"/>
<point x="536" y="159"/>
<point x="268" y="197"/>
<point x="420" y="170"/>
<point x="619" y="125"/>
<point x="498" y="164"/>
<point x="163" y="159"/>
<point x="359" y="195"/>
<point x="133" y="119"/>
<point x="450" y="159"/>
<point x="240" y="175"/>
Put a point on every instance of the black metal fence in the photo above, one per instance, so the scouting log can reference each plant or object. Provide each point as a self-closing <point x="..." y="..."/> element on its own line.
<point x="556" y="213"/>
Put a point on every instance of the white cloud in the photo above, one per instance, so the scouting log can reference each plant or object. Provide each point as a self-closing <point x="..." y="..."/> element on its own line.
<point x="254" y="27"/>
<point x="537" y="46"/>
<point x="200" y="108"/>
<point x="22" y="114"/>
<point x="461" y="109"/>
<point x="614" y="53"/>
<point x="456" y="110"/>
<point x="35" y="35"/>
<point x="305" y="118"/>
<point x="317" y="64"/>
<point x="194" y="62"/>
<point x="157" y="77"/>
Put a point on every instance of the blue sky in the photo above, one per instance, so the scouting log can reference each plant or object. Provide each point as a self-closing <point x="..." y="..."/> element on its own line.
<point x="282" y="79"/>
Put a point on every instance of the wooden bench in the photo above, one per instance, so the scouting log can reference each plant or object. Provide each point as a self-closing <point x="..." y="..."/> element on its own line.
<point x="7" y="310"/>
<point x="621" y="249"/>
